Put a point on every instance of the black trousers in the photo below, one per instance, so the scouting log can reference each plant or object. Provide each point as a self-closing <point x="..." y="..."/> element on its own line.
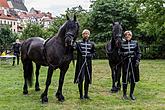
<point x="17" y="56"/>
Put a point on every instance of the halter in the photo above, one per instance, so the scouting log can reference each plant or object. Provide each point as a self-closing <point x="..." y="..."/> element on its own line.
<point x="69" y="37"/>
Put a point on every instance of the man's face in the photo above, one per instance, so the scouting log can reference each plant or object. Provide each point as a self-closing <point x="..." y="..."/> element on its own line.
<point x="128" y="36"/>
<point x="85" y="35"/>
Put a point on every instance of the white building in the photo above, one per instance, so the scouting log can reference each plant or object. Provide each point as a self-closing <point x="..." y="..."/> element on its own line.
<point x="7" y="19"/>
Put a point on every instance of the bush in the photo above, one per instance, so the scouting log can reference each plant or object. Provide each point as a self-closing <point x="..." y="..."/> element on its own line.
<point x="100" y="51"/>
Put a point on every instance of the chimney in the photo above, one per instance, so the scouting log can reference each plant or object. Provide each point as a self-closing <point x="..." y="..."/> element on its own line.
<point x="5" y="12"/>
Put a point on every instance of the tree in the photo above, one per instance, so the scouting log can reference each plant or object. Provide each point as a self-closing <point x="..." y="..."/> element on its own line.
<point x="105" y="12"/>
<point x="7" y="37"/>
<point x="57" y="23"/>
<point x="151" y="17"/>
<point x="32" y="30"/>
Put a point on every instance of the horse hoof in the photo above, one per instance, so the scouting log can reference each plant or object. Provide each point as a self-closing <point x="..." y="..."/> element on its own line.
<point x="60" y="97"/>
<point x="86" y="97"/>
<point x="44" y="99"/>
<point x="114" y="90"/>
<point x="25" y="92"/>
<point x="37" y="89"/>
<point x="61" y="100"/>
<point x="125" y="97"/>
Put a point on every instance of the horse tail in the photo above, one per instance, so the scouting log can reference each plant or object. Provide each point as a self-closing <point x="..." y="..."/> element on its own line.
<point x="28" y="72"/>
<point x="27" y="63"/>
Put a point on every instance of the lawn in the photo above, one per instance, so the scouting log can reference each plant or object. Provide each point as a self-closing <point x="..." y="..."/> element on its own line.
<point x="150" y="91"/>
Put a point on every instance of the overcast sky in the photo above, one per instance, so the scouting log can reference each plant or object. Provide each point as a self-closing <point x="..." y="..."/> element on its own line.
<point x="56" y="7"/>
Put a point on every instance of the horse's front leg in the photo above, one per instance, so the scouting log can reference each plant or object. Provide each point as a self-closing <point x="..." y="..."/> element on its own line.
<point x="113" y="89"/>
<point x="48" y="82"/>
<point x="37" y="88"/>
<point x="118" y="77"/>
<point x="63" y="70"/>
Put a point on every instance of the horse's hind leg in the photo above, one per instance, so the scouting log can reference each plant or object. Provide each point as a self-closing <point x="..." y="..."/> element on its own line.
<point x="25" y="88"/>
<point x="37" y="88"/>
<point x="48" y="82"/>
<point x="63" y="70"/>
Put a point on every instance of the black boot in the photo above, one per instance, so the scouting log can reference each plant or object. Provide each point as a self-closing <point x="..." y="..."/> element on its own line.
<point x="132" y="86"/>
<point x="86" y="86"/>
<point x="80" y="90"/>
<point x="18" y="60"/>
<point x="13" y="63"/>
<point x="125" y="92"/>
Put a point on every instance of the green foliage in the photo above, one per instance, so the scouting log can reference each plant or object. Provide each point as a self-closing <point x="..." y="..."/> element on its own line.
<point x="153" y="51"/>
<point x="7" y="37"/>
<point x="152" y="18"/>
<point x="81" y="16"/>
<point x="32" y="30"/>
<point x="100" y="51"/>
<point x="57" y="23"/>
<point x="105" y="12"/>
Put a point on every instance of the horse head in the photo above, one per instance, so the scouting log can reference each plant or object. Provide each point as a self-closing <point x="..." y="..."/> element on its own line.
<point x="117" y="33"/>
<point x="71" y="31"/>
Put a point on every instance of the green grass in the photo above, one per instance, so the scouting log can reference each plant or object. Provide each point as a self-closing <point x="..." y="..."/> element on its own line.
<point x="150" y="91"/>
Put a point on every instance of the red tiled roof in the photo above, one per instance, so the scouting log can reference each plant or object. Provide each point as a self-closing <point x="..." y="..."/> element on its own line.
<point x="3" y="3"/>
<point x="8" y="17"/>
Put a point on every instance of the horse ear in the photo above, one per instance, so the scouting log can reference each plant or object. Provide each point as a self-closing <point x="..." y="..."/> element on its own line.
<point x="67" y="17"/>
<point x="113" y="23"/>
<point x="75" y="19"/>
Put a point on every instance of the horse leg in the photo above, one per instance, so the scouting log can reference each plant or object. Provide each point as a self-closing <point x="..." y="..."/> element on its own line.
<point x="48" y="82"/>
<point x="37" y="88"/>
<point x="114" y="89"/>
<point x="59" y="95"/>
<point x="25" y="88"/>
<point x="118" y="77"/>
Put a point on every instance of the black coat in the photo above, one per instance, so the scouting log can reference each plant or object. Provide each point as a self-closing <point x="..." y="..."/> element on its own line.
<point x="85" y="52"/>
<point x="131" y="55"/>
<point x="16" y="48"/>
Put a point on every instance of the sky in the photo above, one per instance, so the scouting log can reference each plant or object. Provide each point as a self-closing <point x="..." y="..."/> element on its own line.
<point x="56" y="7"/>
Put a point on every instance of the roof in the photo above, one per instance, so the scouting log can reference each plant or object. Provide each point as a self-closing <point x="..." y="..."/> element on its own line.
<point x="3" y="3"/>
<point x="18" y="4"/>
<point x="7" y="17"/>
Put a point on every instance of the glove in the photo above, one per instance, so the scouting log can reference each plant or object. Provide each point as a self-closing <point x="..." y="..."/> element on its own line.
<point x="137" y="63"/>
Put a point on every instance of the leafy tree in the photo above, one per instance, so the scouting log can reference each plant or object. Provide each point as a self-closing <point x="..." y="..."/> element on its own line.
<point x="32" y="30"/>
<point x="7" y="37"/>
<point x="152" y="18"/>
<point x="53" y="29"/>
<point x="105" y="12"/>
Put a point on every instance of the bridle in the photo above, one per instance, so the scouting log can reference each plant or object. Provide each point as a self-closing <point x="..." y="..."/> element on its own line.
<point x="69" y="39"/>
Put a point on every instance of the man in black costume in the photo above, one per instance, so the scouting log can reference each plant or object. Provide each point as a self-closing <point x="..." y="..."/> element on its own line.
<point x="85" y="51"/>
<point x="16" y="50"/>
<point x="131" y="55"/>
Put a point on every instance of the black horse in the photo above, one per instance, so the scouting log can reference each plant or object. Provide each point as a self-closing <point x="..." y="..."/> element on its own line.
<point x="114" y="58"/>
<point x="56" y="52"/>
